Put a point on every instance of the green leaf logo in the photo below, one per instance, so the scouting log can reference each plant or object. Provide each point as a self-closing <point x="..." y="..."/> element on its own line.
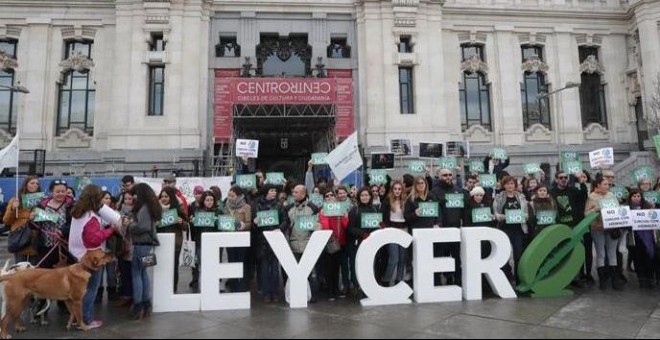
<point x="553" y="259"/>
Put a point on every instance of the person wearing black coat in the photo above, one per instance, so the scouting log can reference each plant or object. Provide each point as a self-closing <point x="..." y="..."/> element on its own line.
<point x="357" y="234"/>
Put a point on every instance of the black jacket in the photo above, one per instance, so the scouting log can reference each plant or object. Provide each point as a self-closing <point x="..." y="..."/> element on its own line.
<point x="415" y="221"/>
<point x="571" y="202"/>
<point x="467" y="214"/>
<point x="355" y="231"/>
<point x="261" y="204"/>
<point x="451" y="217"/>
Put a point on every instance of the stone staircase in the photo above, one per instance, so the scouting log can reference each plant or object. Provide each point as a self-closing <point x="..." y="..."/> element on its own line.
<point x="624" y="170"/>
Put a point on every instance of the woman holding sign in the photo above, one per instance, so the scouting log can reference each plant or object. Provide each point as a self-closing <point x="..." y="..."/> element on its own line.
<point x="363" y="220"/>
<point x="174" y="221"/>
<point x="393" y="207"/>
<point x="203" y="221"/>
<point x="334" y="217"/>
<point x="237" y="208"/>
<point x="644" y="251"/>
<point x="605" y="240"/>
<point x="18" y="214"/>
<point x="510" y="208"/>
<point x="268" y="217"/>
<point x="542" y="211"/>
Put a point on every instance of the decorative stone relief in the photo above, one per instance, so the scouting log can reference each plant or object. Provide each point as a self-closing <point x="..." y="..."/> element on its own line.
<point x="534" y="64"/>
<point x="591" y="66"/>
<point x="474" y="64"/>
<point x="73" y="138"/>
<point x="595" y="131"/>
<point x="5" y="138"/>
<point x="78" y="33"/>
<point x="538" y="133"/>
<point x="405" y="12"/>
<point x="478" y="134"/>
<point x="7" y="62"/>
<point x="77" y="62"/>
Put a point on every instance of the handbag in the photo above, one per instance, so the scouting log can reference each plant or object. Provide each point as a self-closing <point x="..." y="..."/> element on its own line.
<point x="187" y="254"/>
<point x="149" y="260"/>
<point x="19" y="239"/>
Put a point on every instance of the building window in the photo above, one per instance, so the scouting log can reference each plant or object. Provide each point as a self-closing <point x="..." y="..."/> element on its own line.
<point x="8" y="100"/>
<point x="405" y="44"/>
<point x="535" y="110"/>
<point x="592" y="92"/>
<point x="77" y="96"/>
<point x="157" y="42"/>
<point x="228" y="47"/>
<point x="339" y="48"/>
<point x="156" y="90"/>
<point x="474" y="91"/>
<point x="470" y="50"/>
<point x="284" y="56"/>
<point x="406" y="93"/>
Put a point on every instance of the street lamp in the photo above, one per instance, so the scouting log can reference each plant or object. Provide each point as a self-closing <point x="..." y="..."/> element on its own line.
<point x="569" y="85"/>
<point x="16" y="88"/>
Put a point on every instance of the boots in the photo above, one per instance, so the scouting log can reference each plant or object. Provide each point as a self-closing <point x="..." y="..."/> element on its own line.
<point x="603" y="277"/>
<point x="617" y="278"/>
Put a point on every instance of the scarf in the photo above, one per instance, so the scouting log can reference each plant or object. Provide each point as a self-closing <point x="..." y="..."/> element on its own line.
<point x="236" y="204"/>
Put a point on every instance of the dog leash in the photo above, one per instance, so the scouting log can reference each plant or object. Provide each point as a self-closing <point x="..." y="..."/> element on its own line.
<point x="59" y="242"/>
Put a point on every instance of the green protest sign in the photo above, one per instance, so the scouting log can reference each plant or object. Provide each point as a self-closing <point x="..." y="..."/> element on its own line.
<point x="377" y="177"/>
<point x="333" y="209"/>
<point x="170" y="217"/>
<point x="652" y="196"/>
<point x="45" y="216"/>
<point x="448" y="163"/>
<point x="275" y="178"/>
<point x="645" y="172"/>
<point x="455" y="200"/>
<point x="608" y="203"/>
<point x="619" y="192"/>
<point x="568" y="156"/>
<point x="656" y="141"/>
<point x="417" y="167"/>
<point x="204" y="219"/>
<point x="32" y="200"/>
<point x="429" y="209"/>
<point x="246" y="181"/>
<point x="307" y="223"/>
<point x="499" y="153"/>
<point x="477" y="166"/>
<point x="226" y="223"/>
<point x="514" y="216"/>
<point x="268" y="218"/>
<point x="481" y="215"/>
<point x="532" y="168"/>
<point x="319" y="158"/>
<point x="371" y="220"/>
<point x="487" y="181"/>
<point x="316" y="199"/>
<point x="346" y="205"/>
<point x="572" y="167"/>
<point x="546" y="217"/>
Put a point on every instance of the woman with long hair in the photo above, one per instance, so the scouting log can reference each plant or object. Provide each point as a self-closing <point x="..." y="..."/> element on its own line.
<point x="147" y="211"/>
<point x="18" y="215"/>
<point x="393" y="217"/>
<point x="644" y="250"/>
<point x="87" y="233"/>
<point x="541" y="203"/>
<point x="511" y="199"/>
<point x="237" y="207"/>
<point x="333" y="257"/>
<point x="207" y="203"/>
<point x="169" y="201"/>
<point x="269" y="266"/>
<point x="358" y="234"/>
<point x="416" y="220"/>
<point x="125" y="261"/>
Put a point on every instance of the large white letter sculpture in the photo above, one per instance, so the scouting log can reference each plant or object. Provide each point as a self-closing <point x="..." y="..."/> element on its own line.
<point x="364" y="263"/>
<point x="164" y="299"/>
<point x="425" y="265"/>
<point x="474" y="266"/>
<point x="298" y="272"/>
<point x="213" y="271"/>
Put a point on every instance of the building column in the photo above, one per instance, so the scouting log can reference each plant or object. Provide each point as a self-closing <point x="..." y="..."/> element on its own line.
<point x="507" y="103"/>
<point x="566" y="104"/>
<point x="649" y="37"/>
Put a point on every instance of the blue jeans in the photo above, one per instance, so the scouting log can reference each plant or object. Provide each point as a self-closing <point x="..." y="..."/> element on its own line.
<point x="397" y="259"/>
<point x="90" y="296"/>
<point x="141" y="286"/>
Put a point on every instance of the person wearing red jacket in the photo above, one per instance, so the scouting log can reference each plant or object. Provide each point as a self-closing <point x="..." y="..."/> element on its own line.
<point x="333" y="255"/>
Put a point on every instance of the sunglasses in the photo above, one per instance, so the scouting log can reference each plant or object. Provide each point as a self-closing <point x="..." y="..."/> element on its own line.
<point x="57" y="181"/>
<point x="329" y="195"/>
<point x="562" y="177"/>
<point x="446" y="175"/>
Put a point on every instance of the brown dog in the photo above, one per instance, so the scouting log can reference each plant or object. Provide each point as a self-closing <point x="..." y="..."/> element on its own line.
<point x="68" y="284"/>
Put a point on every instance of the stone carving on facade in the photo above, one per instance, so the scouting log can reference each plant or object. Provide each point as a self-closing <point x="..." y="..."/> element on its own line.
<point x="74" y="139"/>
<point x="474" y="64"/>
<point x="77" y="62"/>
<point x="405" y="12"/>
<point x="538" y="133"/>
<point x="405" y="3"/>
<point x="591" y="66"/>
<point x="7" y="62"/>
<point x="596" y="132"/>
<point x="478" y="134"/>
<point x="284" y="48"/>
<point x="534" y="64"/>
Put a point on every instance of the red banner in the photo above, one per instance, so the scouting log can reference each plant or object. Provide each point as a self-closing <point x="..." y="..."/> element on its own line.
<point x="231" y="90"/>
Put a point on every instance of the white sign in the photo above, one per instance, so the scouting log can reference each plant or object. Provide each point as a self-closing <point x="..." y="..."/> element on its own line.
<point x="247" y="148"/>
<point x="620" y="217"/>
<point x="345" y="158"/>
<point x="187" y="184"/>
<point x="601" y="157"/>
<point x="646" y="219"/>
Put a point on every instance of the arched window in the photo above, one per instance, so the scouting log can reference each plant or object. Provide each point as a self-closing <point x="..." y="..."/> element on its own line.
<point x="8" y="100"/>
<point x="535" y="110"/>
<point x="77" y="96"/>
<point x="592" y="91"/>
<point x="474" y="91"/>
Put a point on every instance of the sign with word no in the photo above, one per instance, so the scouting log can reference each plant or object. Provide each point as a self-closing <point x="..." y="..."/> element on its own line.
<point x="481" y="215"/>
<point x="417" y="167"/>
<point x="572" y="167"/>
<point x="204" y="219"/>
<point x="226" y="223"/>
<point x="455" y="200"/>
<point x="546" y="217"/>
<point x="275" y="178"/>
<point x="268" y="218"/>
<point x="371" y="220"/>
<point x="170" y="217"/>
<point x="31" y="200"/>
<point x="448" y="163"/>
<point x="246" y="181"/>
<point x="377" y="177"/>
<point x="487" y="181"/>
<point x="515" y="216"/>
<point x="307" y="223"/>
<point x="429" y="209"/>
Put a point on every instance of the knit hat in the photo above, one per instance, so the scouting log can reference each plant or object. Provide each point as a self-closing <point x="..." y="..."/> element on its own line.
<point x="198" y="190"/>
<point x="477" y="191"/>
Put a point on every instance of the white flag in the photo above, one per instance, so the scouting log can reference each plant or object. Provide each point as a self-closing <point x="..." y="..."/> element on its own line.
<point x="345" y="158"/>
<point x="9" y="155"/>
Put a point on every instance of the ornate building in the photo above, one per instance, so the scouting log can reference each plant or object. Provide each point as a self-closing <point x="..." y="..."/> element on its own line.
<point x="123" y="85"/>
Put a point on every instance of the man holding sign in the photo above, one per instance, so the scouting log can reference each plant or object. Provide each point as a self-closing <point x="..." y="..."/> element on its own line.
<point x="452" y="204"/>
